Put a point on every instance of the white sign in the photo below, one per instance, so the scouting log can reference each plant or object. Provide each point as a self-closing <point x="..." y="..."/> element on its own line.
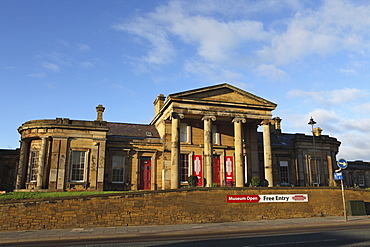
<point x="266" y="198"/>
<point x="284" y="198"/>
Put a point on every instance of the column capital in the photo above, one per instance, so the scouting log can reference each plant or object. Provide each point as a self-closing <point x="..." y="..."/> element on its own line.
<point x="213" y="118"/>
<point x="267" y="122"/>
<point x="175" y="115"/>
<point x="239" y="119"/>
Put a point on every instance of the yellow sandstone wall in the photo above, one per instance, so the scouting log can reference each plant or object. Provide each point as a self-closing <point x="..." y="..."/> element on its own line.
<point x="168" y="207"/>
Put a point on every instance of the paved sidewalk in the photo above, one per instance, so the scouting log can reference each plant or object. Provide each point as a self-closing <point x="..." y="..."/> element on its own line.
<point x="175" y="230"/>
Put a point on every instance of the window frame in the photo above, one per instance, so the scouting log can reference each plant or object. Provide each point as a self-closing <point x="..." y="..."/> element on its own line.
<point x="85" y="165"/>
<point x="361" y="180"/>
<point x="34" y="165"/>
<point x="123" y="169"/>
<point x="186" y="162"/>
<point x="284" y="172"/>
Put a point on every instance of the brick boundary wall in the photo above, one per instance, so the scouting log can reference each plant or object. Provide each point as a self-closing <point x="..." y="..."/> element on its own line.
<point x="201" y="205"/>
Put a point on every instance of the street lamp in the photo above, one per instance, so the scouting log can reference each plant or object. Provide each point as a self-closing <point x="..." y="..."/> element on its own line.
<point x="312" y="123"/>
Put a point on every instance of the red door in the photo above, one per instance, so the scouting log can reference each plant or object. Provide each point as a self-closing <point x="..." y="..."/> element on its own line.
<point x="216" y="170"/>
<point x="145" y="173"/>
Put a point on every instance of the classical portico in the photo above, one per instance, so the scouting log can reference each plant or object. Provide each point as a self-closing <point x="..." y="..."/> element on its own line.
<point x="218" y="118"/>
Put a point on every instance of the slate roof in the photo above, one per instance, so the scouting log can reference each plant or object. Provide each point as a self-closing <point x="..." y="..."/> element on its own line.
<point x="281" y="139"/>
<point x="358" y="165"/>
<point x="132" y="130"/>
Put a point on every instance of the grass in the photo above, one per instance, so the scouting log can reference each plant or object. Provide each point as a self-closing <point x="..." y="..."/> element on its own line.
<point x="32" y="195"/>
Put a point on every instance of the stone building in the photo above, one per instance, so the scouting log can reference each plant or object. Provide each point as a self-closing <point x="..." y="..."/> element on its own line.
<point x="210" y="132"/>
<point x="8" y="164"/>
<point x="357" y="174"/>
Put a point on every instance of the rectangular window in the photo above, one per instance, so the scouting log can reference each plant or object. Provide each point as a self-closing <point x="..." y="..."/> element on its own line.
<point x="184" y="132"/>
<point x="78" y="163"/>
<point x="118" y="168"/>
<point x="184" y="168"/>
<point x="215" y="135"/>
<point x="315" y="171"/>
<point x="34" y="163"/>
<point x="284" y="173"/>
<point x="361" y="180"/>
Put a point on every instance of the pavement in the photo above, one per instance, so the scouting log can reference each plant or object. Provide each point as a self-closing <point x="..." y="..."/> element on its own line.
<point x="131" y="232"/>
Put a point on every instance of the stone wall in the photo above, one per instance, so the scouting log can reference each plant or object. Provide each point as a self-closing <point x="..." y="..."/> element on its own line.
<point x="168" y="207"/>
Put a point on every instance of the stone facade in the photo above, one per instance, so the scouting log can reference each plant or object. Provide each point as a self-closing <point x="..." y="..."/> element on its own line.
<point x="209" y="132"/>
<point x="357" y="174"/>
<point x="8" y="165"/>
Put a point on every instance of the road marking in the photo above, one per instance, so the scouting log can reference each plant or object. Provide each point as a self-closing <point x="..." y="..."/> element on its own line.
<point x="299" y="242"/>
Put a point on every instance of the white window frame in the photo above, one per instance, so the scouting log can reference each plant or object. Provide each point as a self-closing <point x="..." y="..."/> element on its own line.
<point x="215" y="135"/>
<point x="185" y="133"/>
<point x="34" y="164"/>
<point x="84" y="169"/>
<point x="123" y="160"/>
<point x="361" y="180"/>
<point x="284" y="167"/>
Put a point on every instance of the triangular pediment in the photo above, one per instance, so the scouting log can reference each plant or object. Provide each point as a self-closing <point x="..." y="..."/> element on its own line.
<point x="222" y="93"/>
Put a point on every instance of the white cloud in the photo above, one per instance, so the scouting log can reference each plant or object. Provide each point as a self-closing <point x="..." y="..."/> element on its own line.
<point x="271" y="72"/>
<point x="86" y="64"/>
<point x="37" y="75"/>
<point x="51" y="66"/>
<point x="348" y="71"/>
<point x="83" y="47"/>
<point x="327" y="98"/>
<point x="331" y="27"/>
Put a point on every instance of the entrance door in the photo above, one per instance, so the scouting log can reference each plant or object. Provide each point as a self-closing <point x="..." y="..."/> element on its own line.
<point x="216" y="170"/>
<point x="145" y="173"/>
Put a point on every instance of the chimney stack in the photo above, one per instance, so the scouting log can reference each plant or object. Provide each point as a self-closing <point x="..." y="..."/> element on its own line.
<point x="158" y="103"/>
<point x="100" y="109"/>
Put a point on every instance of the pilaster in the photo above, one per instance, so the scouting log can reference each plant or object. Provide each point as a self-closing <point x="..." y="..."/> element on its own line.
<point x="208" y="150"/>
<point x="238" y="139"/>
<point x="267" y="152"/>
<point x="175" y="149"/>
<point x="40" y="173"/>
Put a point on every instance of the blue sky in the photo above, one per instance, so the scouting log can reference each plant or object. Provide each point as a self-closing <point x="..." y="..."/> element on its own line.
<point x="63" y="58"/>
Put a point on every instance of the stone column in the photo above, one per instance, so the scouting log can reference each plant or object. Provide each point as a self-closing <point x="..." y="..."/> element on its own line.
<point x="63" y="170"/>
<point x="238" y="140"/>
<point x="175" y="150"/>
<point x="208" y="150"/>
<point x="22" y="167"/>
<point x="267" y="152"/>
<point x="330" y="171"/>
<point x="41" y="166"/>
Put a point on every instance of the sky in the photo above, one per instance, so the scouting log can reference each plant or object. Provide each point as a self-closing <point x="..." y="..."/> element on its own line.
<point x="62" y="58"/>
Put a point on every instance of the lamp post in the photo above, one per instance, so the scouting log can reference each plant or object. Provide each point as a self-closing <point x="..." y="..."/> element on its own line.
<point x="312" y="123"/>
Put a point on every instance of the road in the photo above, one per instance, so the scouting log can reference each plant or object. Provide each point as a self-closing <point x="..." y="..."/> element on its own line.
<point x="323" y="236"/>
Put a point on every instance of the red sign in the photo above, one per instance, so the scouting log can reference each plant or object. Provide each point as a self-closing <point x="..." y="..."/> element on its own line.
<point x="229" y="168"/>
<point x="299" y="198"/>
<point x="242" y="198"/>
<point x="197" y="171"/>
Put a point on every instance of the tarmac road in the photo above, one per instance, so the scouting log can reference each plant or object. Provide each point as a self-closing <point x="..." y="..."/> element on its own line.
<point x="316" y="231"/>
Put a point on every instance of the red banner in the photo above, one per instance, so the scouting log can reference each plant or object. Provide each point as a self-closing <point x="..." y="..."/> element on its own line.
<point x="242" y="198"/>
<point x="229" y="170"/>
<point x="197" y="171"/>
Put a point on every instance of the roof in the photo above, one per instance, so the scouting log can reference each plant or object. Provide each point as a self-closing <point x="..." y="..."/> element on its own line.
<point x="281" y="139"/>
<point x="206" y="93"/>
<point x="132" y="130"/>
<point x="358" y="165"/>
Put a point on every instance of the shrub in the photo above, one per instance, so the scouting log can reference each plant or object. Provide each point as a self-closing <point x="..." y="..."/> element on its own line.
<point x="193" y="181"/>
<point x="255" y="182"/>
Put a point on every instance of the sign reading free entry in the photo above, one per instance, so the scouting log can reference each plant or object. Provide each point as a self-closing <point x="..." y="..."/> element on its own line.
<point x="266" y="198"/>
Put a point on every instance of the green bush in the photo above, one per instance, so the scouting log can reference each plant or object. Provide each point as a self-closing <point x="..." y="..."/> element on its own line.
<point x="255" y="182"/>
<point x="193" y="181"/>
